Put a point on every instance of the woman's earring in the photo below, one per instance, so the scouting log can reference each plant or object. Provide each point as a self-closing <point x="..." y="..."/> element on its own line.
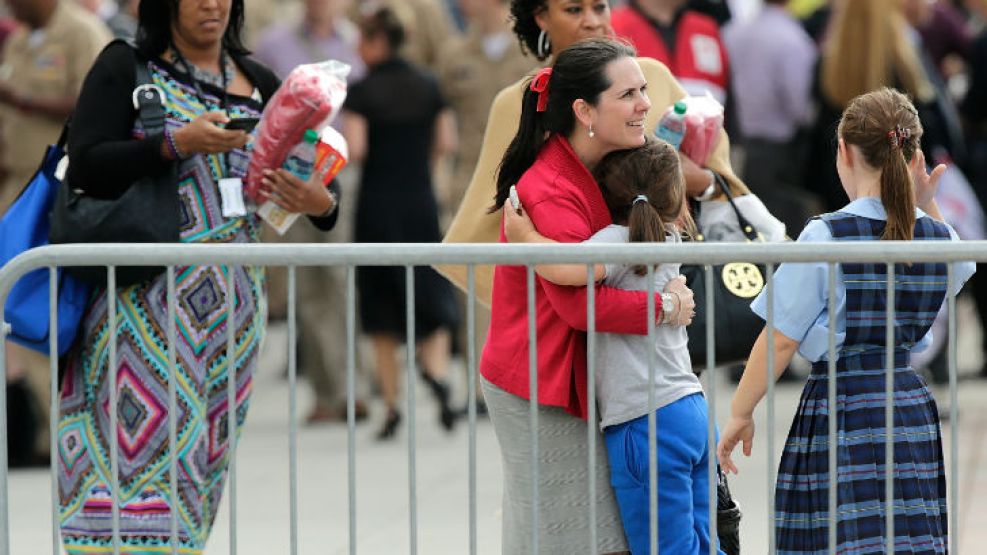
<point x="591" y="134"/>
<point x="544" y="45"/>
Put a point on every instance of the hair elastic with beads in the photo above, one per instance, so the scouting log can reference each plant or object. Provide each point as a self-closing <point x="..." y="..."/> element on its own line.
<point x="898" y="136"/>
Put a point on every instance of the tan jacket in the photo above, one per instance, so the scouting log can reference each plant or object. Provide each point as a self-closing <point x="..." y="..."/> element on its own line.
<point x="470" y="81"/>
<point x="472" y="223"/>
<point x="50" y="66"/>
<point x="426" y="25"/>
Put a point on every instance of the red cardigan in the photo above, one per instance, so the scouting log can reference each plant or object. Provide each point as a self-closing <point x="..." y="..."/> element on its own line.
<point x="565" y="204"/>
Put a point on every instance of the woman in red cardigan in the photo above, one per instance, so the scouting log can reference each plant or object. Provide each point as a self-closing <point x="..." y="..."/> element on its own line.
<point x="590" y="103"/>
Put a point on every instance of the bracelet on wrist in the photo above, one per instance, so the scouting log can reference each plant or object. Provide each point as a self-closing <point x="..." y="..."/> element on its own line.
<point x="710" y="190"/>
<point x="667" y="309"/>
<point x="333" y="203"/>
<point x="172" y="146"/>
<point x="678" y="307"/>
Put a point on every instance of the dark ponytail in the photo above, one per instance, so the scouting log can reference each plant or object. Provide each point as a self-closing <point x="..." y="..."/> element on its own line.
<point x="579" y="72"/>
<point x="524" y="147"/>
<point x="884" y="125"/>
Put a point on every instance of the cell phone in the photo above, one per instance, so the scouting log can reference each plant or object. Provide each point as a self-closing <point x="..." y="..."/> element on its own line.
<point x="242" y="124"/>
<point x="515" y="201"/>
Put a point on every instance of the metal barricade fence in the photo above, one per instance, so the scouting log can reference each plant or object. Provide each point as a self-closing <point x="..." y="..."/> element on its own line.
<point x="411" y="255"/>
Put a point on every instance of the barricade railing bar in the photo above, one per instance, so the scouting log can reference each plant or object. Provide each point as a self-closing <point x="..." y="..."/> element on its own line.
<point x="409" y="256"/>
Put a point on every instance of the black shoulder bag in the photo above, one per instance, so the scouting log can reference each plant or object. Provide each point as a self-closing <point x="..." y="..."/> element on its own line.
<point x="735" y="286"/>
<point x="147" y="212"/>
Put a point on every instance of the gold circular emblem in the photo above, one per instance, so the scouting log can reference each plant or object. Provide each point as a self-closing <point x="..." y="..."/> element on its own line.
<point x="743" y="279"/>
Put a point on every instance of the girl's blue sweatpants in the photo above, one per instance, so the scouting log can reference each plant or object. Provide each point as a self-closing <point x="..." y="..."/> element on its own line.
<point x="683" y="478"/>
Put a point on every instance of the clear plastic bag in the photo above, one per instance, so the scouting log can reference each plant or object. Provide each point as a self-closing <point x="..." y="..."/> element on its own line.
<point x="703" y="123"/>
<point x="309" y="98"/>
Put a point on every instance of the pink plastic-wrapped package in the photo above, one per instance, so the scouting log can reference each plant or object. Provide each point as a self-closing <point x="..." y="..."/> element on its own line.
<point x="309" y="98"/>
<point x="703" y="123"/>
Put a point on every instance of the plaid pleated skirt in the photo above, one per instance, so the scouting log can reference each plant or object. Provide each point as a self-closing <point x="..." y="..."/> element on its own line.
<point x="802" y="515"/>
<point x="802" y="494"/>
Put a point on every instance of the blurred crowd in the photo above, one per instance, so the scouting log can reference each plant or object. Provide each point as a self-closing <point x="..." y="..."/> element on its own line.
<point x="784" y="71"/>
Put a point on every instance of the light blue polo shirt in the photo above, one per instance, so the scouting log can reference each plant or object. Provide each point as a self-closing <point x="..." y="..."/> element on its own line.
<point x="801" y="302"/>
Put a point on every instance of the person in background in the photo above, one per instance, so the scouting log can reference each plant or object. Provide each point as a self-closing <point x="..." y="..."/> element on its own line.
<point x="321" y="32"/>
<point x="472" y="70"/>
<point x="686" y="41"/>
<point x="427" y="24"/>
<point x="717" y="9"/>
<point x="974" y="111"/>
<point x="397" y="123"/>
<point x="45" y="61"/>
<point x="867" y="47"/>
<point x="261" y="14"/>
<point x="773" y="60"/>
<point x="944" y="33"/>
<point x="816" y="19"/>
<point x="119" y="15"/>
<point x="939" y="55"/>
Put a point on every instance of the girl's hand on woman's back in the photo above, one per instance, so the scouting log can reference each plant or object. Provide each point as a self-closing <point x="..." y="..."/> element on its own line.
<point x="518" y="227"/>
<point x="685" y="309"/>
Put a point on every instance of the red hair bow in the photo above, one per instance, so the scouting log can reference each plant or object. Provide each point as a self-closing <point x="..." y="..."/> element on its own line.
<point x="540" y="85"/>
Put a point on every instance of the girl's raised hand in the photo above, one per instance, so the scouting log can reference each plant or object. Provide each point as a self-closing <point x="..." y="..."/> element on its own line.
<point x="926" y="183"/>
<point x="738" y="429"/>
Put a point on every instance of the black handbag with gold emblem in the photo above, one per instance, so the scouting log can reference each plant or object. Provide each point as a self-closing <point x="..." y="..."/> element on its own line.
<point x="735" y="286"/>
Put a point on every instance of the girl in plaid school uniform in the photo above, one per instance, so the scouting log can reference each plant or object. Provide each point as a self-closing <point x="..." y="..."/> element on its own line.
<point x="883" y="171"/>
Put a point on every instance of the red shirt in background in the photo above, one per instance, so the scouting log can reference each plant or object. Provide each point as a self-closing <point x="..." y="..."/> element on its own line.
<point x="698" y="59"/>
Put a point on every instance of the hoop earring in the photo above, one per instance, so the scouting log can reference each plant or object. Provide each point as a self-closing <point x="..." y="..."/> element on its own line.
<point x="591" y="133"/>
<point x="544" y="45"/>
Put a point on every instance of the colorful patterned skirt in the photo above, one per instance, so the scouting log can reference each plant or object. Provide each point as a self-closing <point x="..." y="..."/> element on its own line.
<point x="802" y="496"/>
<point x="145" y="498"/>
<point x="146" y="504"/>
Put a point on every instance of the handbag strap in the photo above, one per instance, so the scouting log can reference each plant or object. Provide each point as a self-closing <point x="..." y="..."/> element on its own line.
<point x="148" y="100"/>
<point x="745" y="225"/>
<point x="147" y="97"/>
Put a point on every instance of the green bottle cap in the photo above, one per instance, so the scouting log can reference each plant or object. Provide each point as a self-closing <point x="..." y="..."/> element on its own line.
<point x="680" y="107"/>
<point x="311" y="136"/>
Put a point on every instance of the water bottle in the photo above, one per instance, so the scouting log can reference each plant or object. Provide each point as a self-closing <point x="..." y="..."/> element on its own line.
<point x="671" y="128"/>
<point x="301" y="158"/>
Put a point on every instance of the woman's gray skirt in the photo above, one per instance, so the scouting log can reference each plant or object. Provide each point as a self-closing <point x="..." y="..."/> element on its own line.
<point x="563" y="480"/>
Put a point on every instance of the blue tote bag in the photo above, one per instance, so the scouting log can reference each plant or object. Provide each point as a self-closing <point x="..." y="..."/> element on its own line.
<point x="23" y="227"/>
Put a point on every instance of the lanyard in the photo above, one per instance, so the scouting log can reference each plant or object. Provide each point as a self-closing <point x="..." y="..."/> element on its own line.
<point x="224" y="99"/>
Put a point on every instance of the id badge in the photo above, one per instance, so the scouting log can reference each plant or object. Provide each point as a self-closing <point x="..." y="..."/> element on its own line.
<point x="231" y="191"/>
